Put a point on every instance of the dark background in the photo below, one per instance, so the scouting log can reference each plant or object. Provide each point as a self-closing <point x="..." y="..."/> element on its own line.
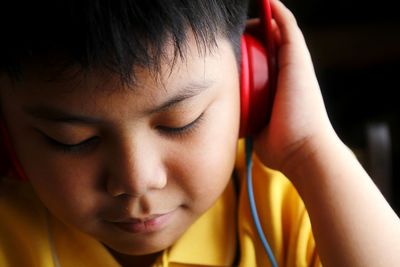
<point x="355" y="46"/>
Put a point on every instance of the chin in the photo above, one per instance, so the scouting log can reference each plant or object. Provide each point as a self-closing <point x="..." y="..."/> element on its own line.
<point x="143" y="248"/>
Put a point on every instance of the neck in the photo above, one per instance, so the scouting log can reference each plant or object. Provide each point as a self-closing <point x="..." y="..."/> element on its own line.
<point x="134" y="260"/>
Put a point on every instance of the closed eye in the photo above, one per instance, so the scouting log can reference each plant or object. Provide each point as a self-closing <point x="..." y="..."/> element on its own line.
<point x="184" y="130"/>
<point x="83" y="146"/>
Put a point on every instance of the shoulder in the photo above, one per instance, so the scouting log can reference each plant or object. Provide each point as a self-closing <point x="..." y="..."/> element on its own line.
<point x="273" y="192"/>
<point x="18" y="203"/>
<point x="282" y="214"/>
<point x="270" y="186"/>
<point x="23" y="225"/>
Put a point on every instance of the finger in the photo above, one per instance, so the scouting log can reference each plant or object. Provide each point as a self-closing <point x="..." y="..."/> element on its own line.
<point x="253" y="22"/>
<point x="293" y="48"/>
<point x="286" y="22"/>
<point x="276" y="33"/>
<point x="253" y="28"/>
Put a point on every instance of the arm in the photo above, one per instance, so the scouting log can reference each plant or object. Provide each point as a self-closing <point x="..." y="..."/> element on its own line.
<point x="352" y="222"/>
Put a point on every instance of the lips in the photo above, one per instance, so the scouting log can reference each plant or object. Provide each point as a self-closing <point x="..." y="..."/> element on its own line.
<point x="149" y="224"/>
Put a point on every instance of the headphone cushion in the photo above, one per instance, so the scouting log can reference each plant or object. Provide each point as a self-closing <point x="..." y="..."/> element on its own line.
<point x="254" y="86"/>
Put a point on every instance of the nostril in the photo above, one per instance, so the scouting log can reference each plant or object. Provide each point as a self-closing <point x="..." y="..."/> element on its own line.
<point x="113" y="190"/>
<point x="136" y="169"/>
<point x="115" y="187"/>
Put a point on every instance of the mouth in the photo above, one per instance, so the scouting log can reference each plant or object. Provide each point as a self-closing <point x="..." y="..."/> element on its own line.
<point x="144" y="225"/>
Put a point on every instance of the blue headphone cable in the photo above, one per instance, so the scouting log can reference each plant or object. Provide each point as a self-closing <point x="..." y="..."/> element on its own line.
<point x="253" y="208"/>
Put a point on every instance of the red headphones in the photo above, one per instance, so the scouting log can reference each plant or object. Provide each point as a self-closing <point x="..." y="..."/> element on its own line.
<point x="258" y="72"/>
<point x="9" y="163"/>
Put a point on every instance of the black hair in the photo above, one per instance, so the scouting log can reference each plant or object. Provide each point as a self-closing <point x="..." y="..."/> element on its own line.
<point x="117" y="35"/>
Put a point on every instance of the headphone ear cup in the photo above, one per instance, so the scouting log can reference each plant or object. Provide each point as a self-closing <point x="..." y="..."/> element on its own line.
<point x="4" y="159"/>
<point x="254" y="86"/>
<point x="9" y="164"/>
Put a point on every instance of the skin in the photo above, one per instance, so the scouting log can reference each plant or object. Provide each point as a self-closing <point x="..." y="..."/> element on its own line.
<point x="136" y="163"/>
<point x="352" y="223"/>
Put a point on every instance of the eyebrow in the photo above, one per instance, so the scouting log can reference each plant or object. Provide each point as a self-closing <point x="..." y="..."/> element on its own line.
<point x="190" y="90"/>
<point x="55" y="114"/>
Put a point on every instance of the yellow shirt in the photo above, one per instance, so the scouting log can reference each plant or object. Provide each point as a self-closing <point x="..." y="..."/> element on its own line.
<point x="30" y="236"/>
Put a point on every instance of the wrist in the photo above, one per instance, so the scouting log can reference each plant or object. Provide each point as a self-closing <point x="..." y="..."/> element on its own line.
<point x="312" y="157"/>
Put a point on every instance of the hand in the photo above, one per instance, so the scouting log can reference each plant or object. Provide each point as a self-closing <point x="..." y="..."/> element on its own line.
<point x="352" y="222"/>
<point x="299" y="119"/>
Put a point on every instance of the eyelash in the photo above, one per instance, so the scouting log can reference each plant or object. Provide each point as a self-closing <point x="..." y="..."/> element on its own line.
<point x="75" y="148"/>
<point x="182" y="131"/>
<point x="91" y="142"/>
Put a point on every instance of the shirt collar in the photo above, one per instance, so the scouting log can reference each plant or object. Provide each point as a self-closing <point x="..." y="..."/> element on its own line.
<point x="211" y="240"/>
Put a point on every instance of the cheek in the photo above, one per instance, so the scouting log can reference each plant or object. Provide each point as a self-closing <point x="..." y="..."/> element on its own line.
<point x="209" y="160"/>
<point x="66" y="187"/>
<point x="62" y="185"/>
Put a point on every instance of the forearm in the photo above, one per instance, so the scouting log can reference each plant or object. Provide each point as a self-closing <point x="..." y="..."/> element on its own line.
<point x="352" y="222"/>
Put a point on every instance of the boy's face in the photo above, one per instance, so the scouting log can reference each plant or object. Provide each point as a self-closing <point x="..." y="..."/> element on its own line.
<point x="132" y="167"/>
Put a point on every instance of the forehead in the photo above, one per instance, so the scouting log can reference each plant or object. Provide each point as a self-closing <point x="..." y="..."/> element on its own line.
<point x="66" y="78"/>
<point x="77" y="87"/>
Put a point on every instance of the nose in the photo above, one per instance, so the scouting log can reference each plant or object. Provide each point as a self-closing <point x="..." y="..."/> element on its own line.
<point x="135" y="169"/>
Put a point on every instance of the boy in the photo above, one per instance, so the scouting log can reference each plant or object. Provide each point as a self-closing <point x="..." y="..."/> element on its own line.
<point x="125" y="118"/>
